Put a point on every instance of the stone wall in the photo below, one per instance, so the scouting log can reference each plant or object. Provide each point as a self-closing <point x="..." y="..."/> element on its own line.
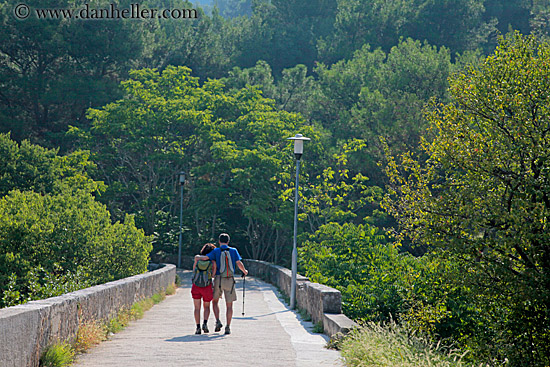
<point x="27" y="330"/>
<point x="323" y="303"/>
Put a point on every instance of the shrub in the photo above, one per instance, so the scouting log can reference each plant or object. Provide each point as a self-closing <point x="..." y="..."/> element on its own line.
<point x="56" y="243"/>
<point x="356" y="260"/>
<point x="58" y="355"/>
<point x="88" y="335"/>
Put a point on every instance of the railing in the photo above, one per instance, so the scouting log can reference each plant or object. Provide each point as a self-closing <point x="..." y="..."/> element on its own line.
<point x="323" y="303"/>
<point x="27" y="330"/>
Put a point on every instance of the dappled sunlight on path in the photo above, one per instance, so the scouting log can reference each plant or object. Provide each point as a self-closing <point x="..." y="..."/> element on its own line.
<point x="268" y="334"/>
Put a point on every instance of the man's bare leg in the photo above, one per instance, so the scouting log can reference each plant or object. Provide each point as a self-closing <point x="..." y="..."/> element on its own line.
<point x="216" y="310"/>
<point x="228" y="316"/>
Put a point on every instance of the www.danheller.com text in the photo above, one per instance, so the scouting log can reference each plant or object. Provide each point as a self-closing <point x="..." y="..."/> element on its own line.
<point x="134" y="11"/>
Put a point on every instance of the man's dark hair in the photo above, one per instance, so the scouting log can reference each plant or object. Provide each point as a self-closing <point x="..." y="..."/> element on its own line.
<point x="224" y="238"/>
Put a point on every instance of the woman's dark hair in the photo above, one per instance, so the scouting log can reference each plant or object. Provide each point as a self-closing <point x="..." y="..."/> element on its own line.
<point x="207" y="248"/>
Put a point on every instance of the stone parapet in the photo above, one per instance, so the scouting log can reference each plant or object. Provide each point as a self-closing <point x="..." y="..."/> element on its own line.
<point x="27" y="330"/>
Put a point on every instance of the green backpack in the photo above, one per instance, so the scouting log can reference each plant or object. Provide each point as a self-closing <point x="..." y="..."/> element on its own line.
<point x="202" y="275"/>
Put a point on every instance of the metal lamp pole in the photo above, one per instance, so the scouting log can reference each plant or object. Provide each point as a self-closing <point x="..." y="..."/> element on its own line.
<point x="181" y="181"/>
<point x="298" y="151"/>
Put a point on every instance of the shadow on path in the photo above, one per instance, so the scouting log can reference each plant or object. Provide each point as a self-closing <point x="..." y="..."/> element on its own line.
<point x="195" y="338"/>
<point x="255" y="317"/>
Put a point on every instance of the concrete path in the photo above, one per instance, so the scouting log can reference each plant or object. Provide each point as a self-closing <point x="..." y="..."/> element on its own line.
<point x="269" y="334"/>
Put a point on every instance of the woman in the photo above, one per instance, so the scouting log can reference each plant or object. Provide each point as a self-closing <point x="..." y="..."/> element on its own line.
<point x="203" y="271"/>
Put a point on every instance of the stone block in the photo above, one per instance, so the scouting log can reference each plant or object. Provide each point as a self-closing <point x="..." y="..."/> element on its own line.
<point x="334" y="324"/>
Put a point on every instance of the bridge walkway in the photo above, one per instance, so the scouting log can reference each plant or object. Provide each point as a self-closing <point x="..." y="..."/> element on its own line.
<point x="269" y="334"/>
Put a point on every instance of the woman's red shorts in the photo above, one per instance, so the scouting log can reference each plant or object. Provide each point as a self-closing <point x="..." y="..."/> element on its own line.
<point x="206" y="293"/>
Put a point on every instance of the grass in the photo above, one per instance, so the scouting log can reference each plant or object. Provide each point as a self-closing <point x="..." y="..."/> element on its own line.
<point x="303" y="314"/>
<point x="94" y="332"/>
<point x="88" y="335"/>
<point x="159" y="297"/>
<point x="58" y="355"/>
<point x="318" y="328"/>
<point x="392" y="345"/>
<point x="171" y="289"/>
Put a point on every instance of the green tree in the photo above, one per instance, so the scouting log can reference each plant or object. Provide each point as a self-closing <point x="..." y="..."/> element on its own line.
<point x="340" y="194"/>
<point x="52" y="70"/>
<point x="136" y="141"/>
<point x="200" y="44"/>
<point x="540" y="21"/>
<point x="284" y="33"/>
<point x="29" y="167"/>
<point x="482" y="194"/>
<point x="234" y="8"/>
<point x="63" y="235"/>
<point x="454" y="24"/>
<point x="358" y="261"/>
<point x="514" y="14"/>
<point x="230" y="142"/>
<point x="54" y="236"/>
<point x="291" y="92"/>
<point x="377" y="94"/>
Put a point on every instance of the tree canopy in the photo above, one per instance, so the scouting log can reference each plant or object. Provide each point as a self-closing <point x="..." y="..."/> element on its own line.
<point x="229" y="142"/>
<point x="217" y="96"/>
<point x="55" y="236"/>
<point x="482" y="194"/>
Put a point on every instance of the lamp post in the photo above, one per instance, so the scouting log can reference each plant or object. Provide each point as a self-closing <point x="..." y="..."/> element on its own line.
<point x="181" y="182"/>
<point x="298" y="151"/>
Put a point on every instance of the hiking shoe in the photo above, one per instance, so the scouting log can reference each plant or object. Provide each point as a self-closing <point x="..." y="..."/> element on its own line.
<point x="227" y="330"/>
<point x="205" y="328"/>
<point x="198" y="331"/>
<point x="218" y="326"/>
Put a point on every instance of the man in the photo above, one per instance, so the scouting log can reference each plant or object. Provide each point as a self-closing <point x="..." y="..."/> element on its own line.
<point x="224" y="283"/>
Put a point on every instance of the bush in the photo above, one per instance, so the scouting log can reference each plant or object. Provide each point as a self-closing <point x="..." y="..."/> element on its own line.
<point x="356" y="260"/>
<point x="380" y="284"/>
<point x="56" y="243"/>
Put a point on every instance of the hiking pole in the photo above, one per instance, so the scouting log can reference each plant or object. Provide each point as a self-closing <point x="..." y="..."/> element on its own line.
<point x="244" y="285"/>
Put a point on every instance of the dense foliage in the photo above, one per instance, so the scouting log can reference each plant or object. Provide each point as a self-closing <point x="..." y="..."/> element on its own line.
<point x="481" y="197"/>
<point x="217" y="96"/>
<point x="231" y="144"/>
<point x="54" y="236"/>
<point x="52" y="71"/>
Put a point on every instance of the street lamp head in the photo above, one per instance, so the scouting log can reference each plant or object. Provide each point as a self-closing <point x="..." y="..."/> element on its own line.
<point x="298" y="145"/>
<point x="182" y="177"/>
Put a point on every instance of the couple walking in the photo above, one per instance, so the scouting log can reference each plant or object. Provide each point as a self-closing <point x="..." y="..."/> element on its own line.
<point x="221" y="261"/>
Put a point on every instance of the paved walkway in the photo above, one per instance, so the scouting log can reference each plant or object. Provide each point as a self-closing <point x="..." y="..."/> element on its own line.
<point x="269" y="334"/>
